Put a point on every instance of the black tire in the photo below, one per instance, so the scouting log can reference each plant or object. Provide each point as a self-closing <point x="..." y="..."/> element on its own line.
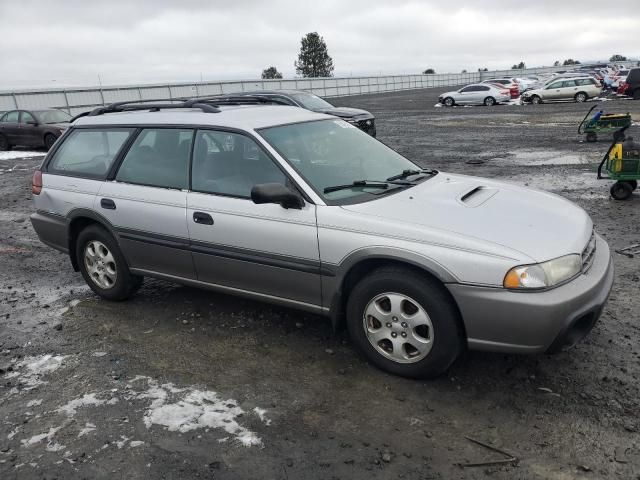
<point x="126" y="284"/>
<point x="621" y="190"/>
<point x="592" y="137"/>
<point x="4" y="143"/>
<point x="633" y="183"/>
<point x="448" y="102"/>
<point x="536" y="100"/>
<point x="447" y="333"/>
<point x="581" y="97"/>
<point x="489" y="102"/>
<point x="49" y="140"/>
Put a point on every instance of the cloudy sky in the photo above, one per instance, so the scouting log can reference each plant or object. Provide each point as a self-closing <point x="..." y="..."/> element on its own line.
<point x="78" y="42"/>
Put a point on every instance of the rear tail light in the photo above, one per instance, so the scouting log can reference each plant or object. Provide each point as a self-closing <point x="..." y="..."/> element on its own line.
<point x="36" y="182"/>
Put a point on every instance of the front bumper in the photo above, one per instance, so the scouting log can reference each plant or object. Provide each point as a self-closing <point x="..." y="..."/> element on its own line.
<point x="500" y="320"/>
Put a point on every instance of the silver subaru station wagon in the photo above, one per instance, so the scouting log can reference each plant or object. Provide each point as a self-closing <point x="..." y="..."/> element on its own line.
<point x="302" y="209"/>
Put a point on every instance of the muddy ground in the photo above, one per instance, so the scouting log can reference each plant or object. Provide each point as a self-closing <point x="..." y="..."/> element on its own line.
<point x="182" y="383"/>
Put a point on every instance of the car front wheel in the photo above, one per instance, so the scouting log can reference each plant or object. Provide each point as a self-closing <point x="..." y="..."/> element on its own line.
<point x="404" y="322"/>
<point x="103" y="266"/>
<point x="536" y="100"/>
<point x="449" y="102"/>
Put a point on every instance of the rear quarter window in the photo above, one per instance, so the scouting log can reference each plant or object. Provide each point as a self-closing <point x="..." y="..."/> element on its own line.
<point x="88" y="152"/>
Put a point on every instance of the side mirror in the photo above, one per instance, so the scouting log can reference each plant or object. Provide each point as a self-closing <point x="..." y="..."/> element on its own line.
<point x="276" y="193"/>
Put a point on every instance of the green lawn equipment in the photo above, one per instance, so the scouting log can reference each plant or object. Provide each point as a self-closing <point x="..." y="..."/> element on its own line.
<point x="621" y="163"/>
<point x="607" y="123"/>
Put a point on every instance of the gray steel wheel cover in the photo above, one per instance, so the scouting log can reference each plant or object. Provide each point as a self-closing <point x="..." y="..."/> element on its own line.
<point x="380" y="324"/>
<point x="100" y="264"/>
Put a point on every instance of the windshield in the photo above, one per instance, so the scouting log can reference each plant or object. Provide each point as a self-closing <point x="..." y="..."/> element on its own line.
<point x="333" y="152"/>
<point x="53" y="116"/>
<point x="311" y="101"/>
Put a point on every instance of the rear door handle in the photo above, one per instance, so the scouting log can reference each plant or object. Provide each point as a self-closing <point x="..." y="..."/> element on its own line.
<point x="107" y="203"/>
<point x="202" y="218"/>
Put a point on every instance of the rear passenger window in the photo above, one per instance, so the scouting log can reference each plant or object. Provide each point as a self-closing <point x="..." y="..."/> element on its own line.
<point x="89" y="152"/>
<point x="159" y="158"/>
<point x="231" y="164"/>
<point x="568" y="83"/>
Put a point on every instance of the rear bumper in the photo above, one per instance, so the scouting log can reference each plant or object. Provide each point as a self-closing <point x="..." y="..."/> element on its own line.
<point x="533" y="322"/>
<point x="52" y="230"/>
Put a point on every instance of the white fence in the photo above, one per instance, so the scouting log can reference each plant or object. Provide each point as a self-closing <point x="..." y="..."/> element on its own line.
<point x="77" y="100"/>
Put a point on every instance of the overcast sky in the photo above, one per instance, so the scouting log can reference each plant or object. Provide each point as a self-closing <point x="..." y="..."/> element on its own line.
<point x="72" y="42"/>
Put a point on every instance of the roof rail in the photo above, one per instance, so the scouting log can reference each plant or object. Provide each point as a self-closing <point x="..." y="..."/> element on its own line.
<point x="238" y="99"/>
<point x="151" y="105"/>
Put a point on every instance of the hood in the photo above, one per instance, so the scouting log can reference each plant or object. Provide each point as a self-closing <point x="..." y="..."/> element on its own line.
<point x="346" y="112"/>
<point x="527" y="224"/>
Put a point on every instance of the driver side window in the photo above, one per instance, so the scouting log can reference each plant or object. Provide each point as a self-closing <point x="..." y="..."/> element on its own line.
<point x="226" y="163"/>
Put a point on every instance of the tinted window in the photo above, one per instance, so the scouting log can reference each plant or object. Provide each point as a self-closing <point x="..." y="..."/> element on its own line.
<point x="482" y="89"/>
<point x="231" y="164"/>
<point x="555" y="85"/>
<point x="12" y="117"/>
<point x="159" y="158"/>
<point x="467" y="89"/>
<point x="568" y="83"/>
<point x="89" y="152"/>
<point x="27" y="117"/>
<point x="53" y="116"/>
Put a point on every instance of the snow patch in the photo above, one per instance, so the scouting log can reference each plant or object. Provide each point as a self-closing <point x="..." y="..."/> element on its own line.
<point x="12" y="433"/>
<point x="136" y="443"/>
<point x="260" y="412"/>
<point x="186" y="409"/>
<point x="30" y="370"/>
<point x="88" y="428"/>
<point x="88" y="399"/>
<point x="34" y="403"/>
<point x="48" y="436"/>
<point x="15" y="154"/>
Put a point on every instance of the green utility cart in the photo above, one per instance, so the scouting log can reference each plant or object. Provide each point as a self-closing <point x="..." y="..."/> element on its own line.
<point x="607" y="123"/>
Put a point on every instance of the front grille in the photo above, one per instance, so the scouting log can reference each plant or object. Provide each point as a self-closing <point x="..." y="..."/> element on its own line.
<point x="589" y="253"/>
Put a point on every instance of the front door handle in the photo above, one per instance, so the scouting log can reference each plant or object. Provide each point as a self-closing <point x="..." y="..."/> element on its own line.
<point x="202" y="218"/>
<point x="107" y="203"/>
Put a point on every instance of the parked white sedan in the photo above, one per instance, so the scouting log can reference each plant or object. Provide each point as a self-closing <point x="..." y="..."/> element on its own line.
<point x="476" y="94"/>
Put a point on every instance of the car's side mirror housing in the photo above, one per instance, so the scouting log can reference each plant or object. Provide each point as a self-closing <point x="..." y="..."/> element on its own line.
<point x="276" y="193"/>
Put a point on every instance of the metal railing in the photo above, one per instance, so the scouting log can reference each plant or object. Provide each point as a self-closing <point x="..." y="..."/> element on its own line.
<point x="77" y="100"/>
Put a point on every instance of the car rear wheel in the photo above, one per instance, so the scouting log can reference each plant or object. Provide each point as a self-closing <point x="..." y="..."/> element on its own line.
<point x="489" y="101"/>
<point x="49" y="140"/>
<point x="449" y="102"/>
<point x="404" y="322"/>
<point x="103" y="266"/>
<point x="621" y="190"/>
<point x="536" y="100"/>
<point x="4" y="143"/>
<point x="580" y="97"/>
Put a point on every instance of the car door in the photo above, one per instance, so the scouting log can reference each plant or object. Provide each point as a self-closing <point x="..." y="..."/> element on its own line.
<point x="29" y="133"/>
<point x="146" y="202"/>
<point x="552" y="91"/>
<point x="482" y="92"/>
<point x="568" y="89"/>
<point x="465" y="95"/>
<point x="11" y="127"/>
<point x="263" y="249"/>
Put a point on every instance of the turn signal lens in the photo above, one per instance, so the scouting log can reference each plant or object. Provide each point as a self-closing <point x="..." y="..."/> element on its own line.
<point x="36" y="182"/>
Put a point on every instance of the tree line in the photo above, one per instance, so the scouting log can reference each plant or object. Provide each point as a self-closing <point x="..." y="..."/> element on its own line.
<point x="314" y="60"/>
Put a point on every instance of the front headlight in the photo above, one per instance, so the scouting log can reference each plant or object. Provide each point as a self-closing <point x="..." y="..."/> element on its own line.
<point x="543" y="275"/>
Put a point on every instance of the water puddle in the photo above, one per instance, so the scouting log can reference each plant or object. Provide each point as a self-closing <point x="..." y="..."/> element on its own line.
<point x="545" y="157"/>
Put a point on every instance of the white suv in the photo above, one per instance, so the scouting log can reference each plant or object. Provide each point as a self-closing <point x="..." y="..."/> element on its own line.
<point x="303" y="209"/>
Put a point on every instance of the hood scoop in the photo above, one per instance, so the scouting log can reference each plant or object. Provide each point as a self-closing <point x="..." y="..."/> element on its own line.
<point x="477" y="196"/>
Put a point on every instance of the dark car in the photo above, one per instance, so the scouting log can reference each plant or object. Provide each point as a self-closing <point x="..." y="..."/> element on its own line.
<point x="362" y="119"/>
<point x="631" y="86"/>
<point x="32" y="128"/>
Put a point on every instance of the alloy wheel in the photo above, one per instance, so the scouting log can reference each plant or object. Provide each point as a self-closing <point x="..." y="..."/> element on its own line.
<point x="398" y="327"/>
<point x="100" y="264"/>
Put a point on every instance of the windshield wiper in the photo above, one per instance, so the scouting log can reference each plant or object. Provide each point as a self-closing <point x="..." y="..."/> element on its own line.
<point x="409" y="172"/>
<point x="357" y="183"/>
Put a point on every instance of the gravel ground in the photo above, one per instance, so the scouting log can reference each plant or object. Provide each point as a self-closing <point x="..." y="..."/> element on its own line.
<point x="182" y="383"/>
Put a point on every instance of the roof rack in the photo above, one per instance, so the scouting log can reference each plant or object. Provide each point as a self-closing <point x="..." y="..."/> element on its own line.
<point x="206" y="104"/>
<point x="238" y="99"/>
